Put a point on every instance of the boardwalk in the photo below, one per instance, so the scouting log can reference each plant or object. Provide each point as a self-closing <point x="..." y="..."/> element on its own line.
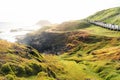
<point x="105" y="25"/>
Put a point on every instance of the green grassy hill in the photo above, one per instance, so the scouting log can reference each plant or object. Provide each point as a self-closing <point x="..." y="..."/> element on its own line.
<point x="109" y="16"/>
<point x="89" y="60"/>
<point x="18" y="60"/>
<point x="84" y="52"/>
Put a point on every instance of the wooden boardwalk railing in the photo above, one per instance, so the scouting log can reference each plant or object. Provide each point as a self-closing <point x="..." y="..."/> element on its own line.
<point x="105" y="25"/>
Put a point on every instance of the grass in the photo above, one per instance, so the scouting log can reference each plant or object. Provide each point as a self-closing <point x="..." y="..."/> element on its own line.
<point x="93" y="53"/>
<point x="97" y="30"/>
<point x="109" y="15"/>
<point x="90" y="60"/>
<point x="93" y="56"/>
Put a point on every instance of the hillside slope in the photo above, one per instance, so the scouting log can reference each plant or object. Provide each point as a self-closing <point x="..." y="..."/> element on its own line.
<point x="20" y="62"/>
<point x="109" y="16"/>
<point x="17" y="60"/>
<point x="84" y="51"/>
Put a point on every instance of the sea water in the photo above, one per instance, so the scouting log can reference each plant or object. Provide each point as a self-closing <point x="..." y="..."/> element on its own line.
<point x="10" y="32"/>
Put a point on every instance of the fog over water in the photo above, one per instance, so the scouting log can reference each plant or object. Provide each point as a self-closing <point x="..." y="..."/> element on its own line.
<point x="10" y="32"/>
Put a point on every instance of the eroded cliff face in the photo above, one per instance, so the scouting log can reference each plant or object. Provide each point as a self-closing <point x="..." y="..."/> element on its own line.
<point x="57" y="43"/>
<point x="49" y="42"/>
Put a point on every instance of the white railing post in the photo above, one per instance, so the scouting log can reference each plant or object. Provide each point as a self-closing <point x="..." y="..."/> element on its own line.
<point x="105" y="25"/>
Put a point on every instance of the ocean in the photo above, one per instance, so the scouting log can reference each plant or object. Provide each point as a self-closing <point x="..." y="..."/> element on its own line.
<point x="10" y="32"/>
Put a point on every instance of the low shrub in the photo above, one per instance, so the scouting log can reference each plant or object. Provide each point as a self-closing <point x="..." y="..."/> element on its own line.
<point x="111" y="75"/>
<point x="18" y="69"/>
<point x="36" y="68"/>
<point x="9" y="77"/>
<point x="28" y="70"/>
<point x="51" y="73"/>
<point x="6" y="69"/>
<point x="98" y="69"/>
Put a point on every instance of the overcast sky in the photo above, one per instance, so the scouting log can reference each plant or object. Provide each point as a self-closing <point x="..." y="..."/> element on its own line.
<point x="31" y="11"/>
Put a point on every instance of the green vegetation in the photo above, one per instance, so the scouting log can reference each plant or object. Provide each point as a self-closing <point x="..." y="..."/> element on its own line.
<point x="93" y="58"/>
<point x="108" y="16"/>
<point x="84" y="52"/>
<point x="97" y="30"/>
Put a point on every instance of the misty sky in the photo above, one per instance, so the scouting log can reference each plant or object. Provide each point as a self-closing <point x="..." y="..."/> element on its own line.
<point x="31" y="11"/>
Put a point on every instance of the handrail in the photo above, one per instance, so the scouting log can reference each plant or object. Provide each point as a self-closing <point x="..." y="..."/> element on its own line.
<point x="105" y="25"/>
